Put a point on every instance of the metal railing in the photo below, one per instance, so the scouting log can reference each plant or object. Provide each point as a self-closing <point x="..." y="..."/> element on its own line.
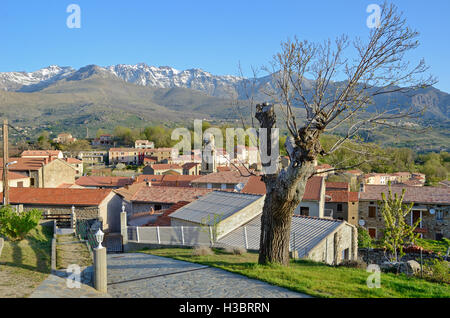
<point x="83" y="229"/>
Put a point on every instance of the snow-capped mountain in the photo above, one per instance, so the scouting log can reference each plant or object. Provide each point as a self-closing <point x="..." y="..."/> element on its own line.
<point x="13" y="81"/>
<point x="140" y="74"/>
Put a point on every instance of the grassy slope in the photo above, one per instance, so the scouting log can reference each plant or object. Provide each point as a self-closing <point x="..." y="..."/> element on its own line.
<point x="25" y="264"/>
<point x="313" y="278"/>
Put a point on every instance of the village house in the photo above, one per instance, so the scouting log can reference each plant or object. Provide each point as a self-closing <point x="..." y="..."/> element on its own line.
<point x="101" y="204"/>
<point x="407" y="178"/>
<point x="160" y="154"/>
<point x="103" y="140"/>
<point x="43" y="172"/>
<point x="192" y="168"/>
<point x="224" y="179"/>
<point x="324" y="170"/>
<point x="162" y="168"/>
<point x="226" y="211"/>
<point x="103" y="182"/>
<point x="341" y="203"/>
<point x="431" y="206"/>
<point x="41" y="154"/>
<point x="64" y="138"/>
<point x="77" y="164"/>
<point x="145" y="197"/>
<point x="16" y="180"/>
<point x="144" y="144"/>
<point x="94" y="157"/>
<point x="313" y="201"/>
<point x="127" y="156"/>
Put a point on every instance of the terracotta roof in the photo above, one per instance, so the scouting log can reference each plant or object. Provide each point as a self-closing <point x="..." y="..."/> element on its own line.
<point x="312" y="190"/>
<point x="413" y="182"/>
<point x="355" y="171"/>
<point x="58" y="196"/>
<point x="25" y="164"/>
<point x="190" y="165"/>
<point x="168" y="194"/>
<point x="165" y="166"/>
<point x="229" y="177"/>
<point x="168" y="180"/>
<point x="324" y="166"/>
<point x="164" y="219"/>
<point x="436" y="195"/>
<point x="12" y="175"/>
<point x="159" y="149"/>
<point x="100" y="181"/>
<point x="128" y="192"/>
<point x="336" y="185"/>
<point x="126" y="150"/>
<point x="341" y="196"/>
<point x="73" y="161"/>
<point x="254" y="185"/>
<point x="223" y="168"/>
<point x="41" y="153"/>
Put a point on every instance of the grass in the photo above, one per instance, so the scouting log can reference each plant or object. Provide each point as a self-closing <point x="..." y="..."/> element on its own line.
<point x="73" y="253"/>
<point x="312" y="278"/>
<point x="435" y="246"/>
<point x="25" y="264"/>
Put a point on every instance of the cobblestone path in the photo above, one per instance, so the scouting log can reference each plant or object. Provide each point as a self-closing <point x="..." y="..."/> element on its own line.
<point x="143" y="275"/>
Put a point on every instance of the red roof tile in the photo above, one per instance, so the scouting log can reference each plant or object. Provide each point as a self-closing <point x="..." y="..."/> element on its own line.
<point x="168" y="180"/>
<point x="336" y="185"/>
<point x="168" y="194"/>
<point x="165" y="166"/>
<point x="58" y="196"/>
<point x="100" y="181"/>
<point x="164" y="219"/>
<point x="13" y="175"/>
<point x="341" y="196"/>
<point x="435" y="195"/>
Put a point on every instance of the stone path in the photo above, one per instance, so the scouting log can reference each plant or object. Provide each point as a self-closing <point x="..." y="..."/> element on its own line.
<point x="55" y="286"/>
<point x="143" y="275"/>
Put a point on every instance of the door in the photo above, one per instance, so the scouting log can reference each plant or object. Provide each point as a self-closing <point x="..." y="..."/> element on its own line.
<point x="372" y="232"/>
<point x="416" y="215"/>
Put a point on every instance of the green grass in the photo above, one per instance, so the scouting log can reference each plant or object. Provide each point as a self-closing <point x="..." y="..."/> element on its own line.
<point x="313" y="278"/>
<point x="74" y="253"/>
<point x="25" y="264"/>
<point x="435" y="246"/>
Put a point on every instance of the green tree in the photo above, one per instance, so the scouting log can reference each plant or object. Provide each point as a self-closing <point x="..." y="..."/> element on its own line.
<point x="397" y="232"/>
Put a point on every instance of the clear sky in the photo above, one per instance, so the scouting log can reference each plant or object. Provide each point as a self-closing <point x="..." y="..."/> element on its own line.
<point x="208" y="34"/>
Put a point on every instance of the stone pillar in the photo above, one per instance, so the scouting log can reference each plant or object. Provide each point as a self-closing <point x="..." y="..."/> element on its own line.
<point x="336" y="249"/>
<point x="100" y="270"/>
<point x="123" y="227"/>
<point x="354" y="243"/>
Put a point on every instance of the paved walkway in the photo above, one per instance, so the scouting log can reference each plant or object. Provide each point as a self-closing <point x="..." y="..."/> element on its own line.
<point x="143" y="275"/>
<point x="55" y="286"/>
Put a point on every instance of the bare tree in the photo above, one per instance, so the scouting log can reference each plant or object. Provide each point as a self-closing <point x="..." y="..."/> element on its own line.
<point x="340" y="88"/>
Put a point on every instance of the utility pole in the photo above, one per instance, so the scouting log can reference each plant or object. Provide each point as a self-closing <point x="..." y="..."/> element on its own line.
<point x="5" y="163"/>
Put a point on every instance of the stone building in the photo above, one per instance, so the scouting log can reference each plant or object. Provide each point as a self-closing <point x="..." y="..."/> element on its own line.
<point x="431" y="206"/>
<point x="43" y="172"/>
<point x="16" y="180"/>
<point x="100" y="204"/>
<point x="341" y="203"/>
<point x="163" y="168"/>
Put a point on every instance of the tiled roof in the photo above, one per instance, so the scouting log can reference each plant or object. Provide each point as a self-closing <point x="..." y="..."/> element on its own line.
<point x="168" y="194"/>
<point x="336" y="185"/>
<point x="73" y="161"/>
<point x="128" y="192"/>
<point x="189" y="165"/>
<point x="215" y="207"/>
<point x="164" y="219"/>
<point x="229" y="177"/>
<point x="436" y="195"/>
<point x="165" y="166"/>
<point x="25" y="164"/>
<point x="355" y="171"/>
<point x="341" y="196"/>
<point x="58" y="196"/>
<point x="324" y="166"/>
<point x="12" y="175"/>
<point x="312" y="190"/>
<point x="100" y="181"/>
<point x="168" y="180"/>
<point x="29" y="153"/>
<point x="159" y="149"/>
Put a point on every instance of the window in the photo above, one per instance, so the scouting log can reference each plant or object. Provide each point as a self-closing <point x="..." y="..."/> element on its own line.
<point x="339" y="207"/>
<point x="32" y="182"/>
<point x="20" y="184"/>
<point x="158" y="207"/>
<point x="223" y="186"/>
<point x="439" y="215"/>
<point x="209" y="186"/>
<point x="304" y="211"/>
<point x="372" y="211"/>
<point x="373" y="232"/>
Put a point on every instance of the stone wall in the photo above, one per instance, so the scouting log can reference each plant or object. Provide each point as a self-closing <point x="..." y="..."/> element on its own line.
<point x="57" y="172"/>
<point x="378" y="256"/>
<point x="84" y="213"/>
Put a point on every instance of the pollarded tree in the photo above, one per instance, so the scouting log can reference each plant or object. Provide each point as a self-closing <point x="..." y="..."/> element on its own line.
<point x="397" y="232"/>
<point x="340" y="89"/>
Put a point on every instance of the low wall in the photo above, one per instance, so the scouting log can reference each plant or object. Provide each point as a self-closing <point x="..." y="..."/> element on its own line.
<point x="378" y="256"/>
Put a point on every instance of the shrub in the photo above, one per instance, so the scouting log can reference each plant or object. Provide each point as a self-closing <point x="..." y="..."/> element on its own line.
<point x="202" y="251"/>
<point x="15" y="225"/>
<point x="437" y="271"/>
<point x="364" y="239"/>
<point x="239" y="251"/>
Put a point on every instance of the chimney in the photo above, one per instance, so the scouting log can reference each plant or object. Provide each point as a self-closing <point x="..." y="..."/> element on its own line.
<point x="45" y="160"/>
<point x="148" y="183"/>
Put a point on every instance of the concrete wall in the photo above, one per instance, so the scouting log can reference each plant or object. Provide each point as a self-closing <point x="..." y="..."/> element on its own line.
<point x="314" y="208"/>
<point x="349" y="211"/>
<point x="14" y="183"/>
<point x="109" y="211"/>
<point x="57" y="172"/>
<point x="330" y="250"/>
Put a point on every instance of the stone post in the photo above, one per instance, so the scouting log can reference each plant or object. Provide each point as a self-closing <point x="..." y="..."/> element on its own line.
<point x="100" y="273"/>
<point x="123" y="227"/>
<point x="354" y="243"/>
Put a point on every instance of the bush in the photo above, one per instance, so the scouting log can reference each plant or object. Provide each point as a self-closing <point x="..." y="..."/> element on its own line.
<point x="202" y="251"/>
<point x="16" y="226"/>
<point x="235" y="250"/>
<point x="437" y="271"/>
<point x="364" y="239"/>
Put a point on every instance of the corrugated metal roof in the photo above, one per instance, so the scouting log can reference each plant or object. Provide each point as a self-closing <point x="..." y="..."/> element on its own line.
<point x="219" y="204"/>
<point x="306" y="233"/>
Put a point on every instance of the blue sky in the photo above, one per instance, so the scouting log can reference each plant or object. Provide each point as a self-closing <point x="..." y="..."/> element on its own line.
<point x="207" y="34"/>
